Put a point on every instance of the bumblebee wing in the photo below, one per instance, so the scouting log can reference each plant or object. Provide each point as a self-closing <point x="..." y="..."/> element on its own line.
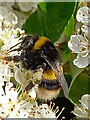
<point x="59" y="74"/>
<point x="63" y="83"/>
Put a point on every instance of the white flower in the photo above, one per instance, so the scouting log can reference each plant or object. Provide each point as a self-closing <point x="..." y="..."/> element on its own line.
<point x="5" y="73"/>
<point x="27" y="6"/>
<point x="24" y="77"/>
<point x="9" y="35"/>
<point x="86" y="31"/>
<point x="83" y="110"/>
<point x="46" y="111"/>
<point x="4" y="9"/>
<point x="78" y="44"/>
<point x="11" y="106"/>
<point x="10" y="20"/>
<point x="83" y="15"/>
<point x="42" y="111"/>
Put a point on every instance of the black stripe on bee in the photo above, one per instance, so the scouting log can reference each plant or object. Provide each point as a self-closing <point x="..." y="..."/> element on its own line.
<point x="49" y="84"/>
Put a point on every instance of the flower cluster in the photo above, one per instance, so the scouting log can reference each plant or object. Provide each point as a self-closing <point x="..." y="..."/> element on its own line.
<point x="14" y="106"/>
<point x="15" y="101"/>
<point x="80" y="43"/>
<point x="83" y="110"/>
<point x="31" y="6"/>
<point x="20" y="8"/>
<point x="8" y="36"/>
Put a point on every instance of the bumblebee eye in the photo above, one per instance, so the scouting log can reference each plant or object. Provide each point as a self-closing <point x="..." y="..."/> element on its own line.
<point x="28" y="41"/>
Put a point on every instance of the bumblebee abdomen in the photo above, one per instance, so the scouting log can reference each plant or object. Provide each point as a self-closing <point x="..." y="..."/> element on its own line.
<point x="46" y="94"/>
<point x="49" y="87"/>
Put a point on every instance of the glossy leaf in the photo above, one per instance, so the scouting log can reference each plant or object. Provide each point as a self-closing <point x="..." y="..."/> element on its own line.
<point x="75" y="71"/>
<point x="51" y="20"/>
<point x="80" y="87"/>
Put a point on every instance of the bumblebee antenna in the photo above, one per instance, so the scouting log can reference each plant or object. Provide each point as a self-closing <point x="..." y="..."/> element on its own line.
<point x="11" y="48"/>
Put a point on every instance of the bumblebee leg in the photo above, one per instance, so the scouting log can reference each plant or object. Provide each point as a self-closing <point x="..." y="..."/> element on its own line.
<point x="10" y="58"/>
<point x="28" y="87"/>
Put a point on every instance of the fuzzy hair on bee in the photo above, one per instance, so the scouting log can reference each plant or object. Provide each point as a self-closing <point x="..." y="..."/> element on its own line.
<point x="38" y="52"/>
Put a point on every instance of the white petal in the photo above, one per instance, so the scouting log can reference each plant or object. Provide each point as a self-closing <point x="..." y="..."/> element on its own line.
<point x="19" y="114"/>
<point x="1" y="91"/>
<point x="73" y="47"/>
<point x="3" y="11"/>
<point x="76" y="43"/>
<point x="86" y="30"/>
<point x="81" y="62"/>
<point x="85" y="99"/>
<point x="26" y="6"/>
<point x="10" y="4"/>
<point x="28" y="106"/>
<point x="80" y="113"/>
<point x="32" y="93"/>
<point x="8" y="86"/>
<point x="43" y="111"/>
<point x="1" y="17"/>
<point x="11" y="93"/>
<point x="84" y="54"/>
<point x="3" y="112"/>
<point x="19" y="75"/>
<point x="83" y="14"/>
<point x="78" y="40"/>
<point x="2" y="96"/>
<point x="11" y="18"/>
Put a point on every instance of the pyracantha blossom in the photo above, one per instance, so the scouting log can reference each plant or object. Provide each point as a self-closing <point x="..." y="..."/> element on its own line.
<point x="78" y="44"/>
<point x="5" y="9"/>
<point x="5" y="73"/>
<point x="27" y="6"/>
<point x="12" y="7"/>
<point x="10" y="104"/>
<point x="9" y="35"/>
<point x="24" y="77"/>
<point x="86" y="31"/>
<point x="83" y="15"/>
<point x="46" y="111"/>
<point x="13" y="105"/>
<point x="83" y="110"/>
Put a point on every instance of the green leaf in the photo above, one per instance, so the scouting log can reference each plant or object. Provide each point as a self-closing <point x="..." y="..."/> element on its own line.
<point x="65" y="54"/>
<point x="43" y="5"/>
<point x="75" y="71"/>
<point x="70" y="27"/>
<point x="35" y="24"/>
<point x="50" y="19"/>
<point x="80" y="87"/>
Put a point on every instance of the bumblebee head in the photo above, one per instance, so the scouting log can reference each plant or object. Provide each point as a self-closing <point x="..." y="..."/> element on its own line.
<point x="31" y="42"/>
<point x="28" y="41"/>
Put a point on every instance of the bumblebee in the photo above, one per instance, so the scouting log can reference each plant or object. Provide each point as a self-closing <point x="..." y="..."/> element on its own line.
<point x="38" y="52"/>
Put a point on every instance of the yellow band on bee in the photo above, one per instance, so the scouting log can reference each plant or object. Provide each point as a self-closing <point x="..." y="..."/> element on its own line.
<point x="49" y="75"/>
<point x="40" y="42"/>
